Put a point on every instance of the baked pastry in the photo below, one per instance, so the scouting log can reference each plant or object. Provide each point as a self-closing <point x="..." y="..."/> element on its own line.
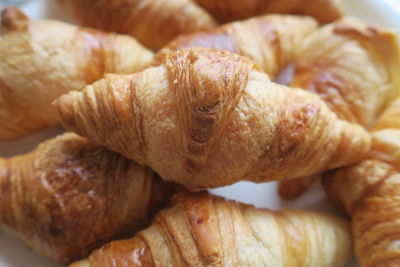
<point x="41" y="60"/>
<point x="70" y="196"/>
<point x="293" y="188"/>
<point x="204" y="230"/>
<point x="354" y="68"/>
<point x="156" y="22"/>
<point x="229" y="10"/>
<point x="153" y="22"/>
<point x="208" y="118"/>
<point x="370" y="193"/>
<point x="271" y="41"/>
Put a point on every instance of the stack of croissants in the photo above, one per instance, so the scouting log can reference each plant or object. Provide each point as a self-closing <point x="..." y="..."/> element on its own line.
<point x="166" y="98"/>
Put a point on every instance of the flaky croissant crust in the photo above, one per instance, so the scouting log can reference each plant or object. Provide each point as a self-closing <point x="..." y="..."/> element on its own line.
<point x="208" y="118"/>
<point x="370" y="193"/>
<point x="70" y="196"/>
<point x="328" y="64"/>
<point x="41" y="60"/>
<point x="271" y="41"/>
<point x="229" y="10"/>
<point x="153" y="22"/>
<point x="156" y="22"/>
<point x="204" y="230"/>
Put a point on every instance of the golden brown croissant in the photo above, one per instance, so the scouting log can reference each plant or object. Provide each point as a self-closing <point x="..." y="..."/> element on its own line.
<point x="270" y="41"/>
<point x="370" y="192"/>
<point x="152" y="22"/>
<point x="204" y="230"/>
<point x="70" y="196"/>
<point x="293" y="188"/>
<point x="229" y="10"/>
<point x="355" y="69"/>
<point x="156" y="22"/>
<point x="208" y="118"/>
<point x="41" y="60"/>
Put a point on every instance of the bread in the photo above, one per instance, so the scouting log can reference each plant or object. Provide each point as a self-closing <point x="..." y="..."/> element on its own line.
<point x="153" y="22"/>
<point x="204" y="230"/>
<point x="354" y="68"/>
<point x="41" y="60"/>
<point x="229" y="10"/>
<point x="208" y="118"/>
<point x="271" y="41"/>
<point x="70" y="196"/>
<point x="369" y="192"/>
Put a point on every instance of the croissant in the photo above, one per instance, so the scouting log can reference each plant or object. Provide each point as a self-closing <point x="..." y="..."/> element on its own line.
<point x="328" y="64"/>
<point x="208" y="118"/>
<point x="70" y="196"/>
<point x="270" y="41"/>
<point x="156" y="22"/>
<point x="153" y="22"/>
<point x="41" y="60"/>
<point x="205" y="230"/>
<point x="229" y="10"/>
<point x="369" y="191"/>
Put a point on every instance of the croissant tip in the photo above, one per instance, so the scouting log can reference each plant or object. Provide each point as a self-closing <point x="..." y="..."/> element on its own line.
<point x="63" y="102"/>
<point x="82" y="263"/>
<point x="13" y="19"/>
<point x="62" y="106"/>
<point x="3" y="169"/>
<point x="290" y="192"/>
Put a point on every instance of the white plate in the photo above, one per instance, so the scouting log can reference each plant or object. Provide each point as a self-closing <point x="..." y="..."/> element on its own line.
<point x="14" y="254"/>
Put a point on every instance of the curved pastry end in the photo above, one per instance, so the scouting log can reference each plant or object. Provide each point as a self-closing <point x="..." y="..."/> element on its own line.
<point x="13" y="19"/>
<point x="83" y="263"/>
